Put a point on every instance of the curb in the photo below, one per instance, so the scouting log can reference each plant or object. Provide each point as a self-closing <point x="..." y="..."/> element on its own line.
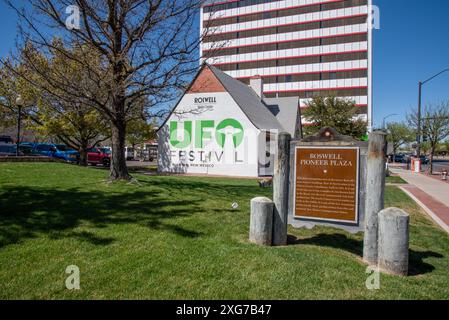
<point x="434" y="217"/>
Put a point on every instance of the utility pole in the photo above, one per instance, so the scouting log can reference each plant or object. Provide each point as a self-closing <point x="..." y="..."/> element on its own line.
<point x="385" y="118"/>
<point x="419" y="133"/>
<point x="19" y="104"/>
<point x="418" y="136"/>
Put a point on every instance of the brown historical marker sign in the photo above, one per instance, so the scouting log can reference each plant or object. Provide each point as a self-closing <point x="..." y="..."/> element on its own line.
<point x="326" y="183"/>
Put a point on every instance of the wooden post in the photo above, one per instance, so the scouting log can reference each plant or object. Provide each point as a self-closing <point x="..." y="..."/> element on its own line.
<point x="261" y="224"/>
<point x="394" y="241"/>
<point x="280" y="190"/>
<point x="375" y="187"/>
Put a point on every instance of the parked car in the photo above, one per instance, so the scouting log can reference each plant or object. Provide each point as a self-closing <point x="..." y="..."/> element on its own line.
<point x="107" y="150"/>
<point x="98" y="156"/>
<point x="10" y="150"/>
<point x="398" y="158"/>
<point x="7" y="150"/>
<point x="129" y="153"/>
<point x="152" y="153"/>
<point x="407" y="158"/>
<point x="27" y="149"/>
<point x="424" y="159"/>
<point x="31" y="145"/>
<point x="147" y="154"/>
<point x="58" y="151"/>
<point x="6" y="139"/>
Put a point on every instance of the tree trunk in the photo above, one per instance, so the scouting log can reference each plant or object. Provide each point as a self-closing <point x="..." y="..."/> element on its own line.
<point x="432" y="152"/>
<point x="83" y="153"/>
<point x="119" y="170"/>
<point x="83" y="157"/>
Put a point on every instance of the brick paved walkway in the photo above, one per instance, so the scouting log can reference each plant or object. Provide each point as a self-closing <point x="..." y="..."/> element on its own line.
<point x="431" y="194"/>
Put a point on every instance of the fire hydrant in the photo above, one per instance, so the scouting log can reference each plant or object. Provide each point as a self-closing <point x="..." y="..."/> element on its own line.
<point x="444" y="175"/>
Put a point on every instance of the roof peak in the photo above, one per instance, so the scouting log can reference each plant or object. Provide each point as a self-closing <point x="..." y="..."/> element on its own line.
<point x="249" y="102"/>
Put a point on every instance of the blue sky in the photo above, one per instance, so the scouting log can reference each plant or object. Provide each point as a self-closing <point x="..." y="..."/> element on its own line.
<point x="411" y="45"/>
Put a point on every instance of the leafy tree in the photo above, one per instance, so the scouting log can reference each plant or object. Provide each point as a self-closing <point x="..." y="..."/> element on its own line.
<point x="11" y="86"/>
<point x="7" y="98"/>
<point x="333" y="112"/>
<point x="425" y="147"/>
<point x="74" y="119"/>
<point x="446" y="145"/>
<point x="147" y="49"/>
<point x="441" y="147"/>
<point x="398" y="135"/>
<point x="75" y="125"/>
<point x="139" y="131"/>
<point x="435" y="126"/>
<point x="51" y="112"/>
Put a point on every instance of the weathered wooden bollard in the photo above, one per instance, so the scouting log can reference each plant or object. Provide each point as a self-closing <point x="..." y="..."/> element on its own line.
<point x="280" y="190"/>
<point x="261" y="224"/>
<point x="394" y="241"/>
<point x="375" y="188"/>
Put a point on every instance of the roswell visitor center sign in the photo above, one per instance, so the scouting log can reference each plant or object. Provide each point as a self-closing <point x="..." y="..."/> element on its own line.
<point x="328" y="181"/>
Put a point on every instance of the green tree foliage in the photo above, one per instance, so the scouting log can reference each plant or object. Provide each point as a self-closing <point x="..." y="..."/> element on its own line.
<point x="446" y="145"/>
<point x="50" y="110"/>
<point x="8" y="113"/>
<point x="146" y="49"/>
<point x="75" y="120"/>
<point x="333" y="112"/>
<point x="425" y="147"/>
<point x="11" y="86"/>
<point x="139" y="131"/>
<point x="399" y="134"/>
<point x="435" y="126"/>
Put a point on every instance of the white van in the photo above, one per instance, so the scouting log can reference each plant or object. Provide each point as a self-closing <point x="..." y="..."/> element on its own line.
<point x="129" y="153"/>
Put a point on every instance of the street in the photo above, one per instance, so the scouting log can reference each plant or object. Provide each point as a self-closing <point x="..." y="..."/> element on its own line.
<point x="136" y="163"/>
<point x="438" y="165"/>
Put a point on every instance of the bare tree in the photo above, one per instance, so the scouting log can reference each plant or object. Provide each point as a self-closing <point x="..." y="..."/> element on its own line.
<point x="435" y="126"/>
<point x="148" y="49"/>
<point x="399" y="134"/>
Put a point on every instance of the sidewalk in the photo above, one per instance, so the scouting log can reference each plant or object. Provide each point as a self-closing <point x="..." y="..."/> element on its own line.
<point x="431" y="194"/>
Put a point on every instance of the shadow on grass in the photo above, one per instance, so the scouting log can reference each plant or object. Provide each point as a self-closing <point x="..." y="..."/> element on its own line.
<point x="82" y="236"/>
<point x="336" y="241"/>
<point x="142" y="169"/>
<point x="26" y="212"/>
<point x="209" y="187"/>
<point x="417" y="265"/>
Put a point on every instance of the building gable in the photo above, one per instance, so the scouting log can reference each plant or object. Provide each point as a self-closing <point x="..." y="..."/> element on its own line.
<point x="210" y="80"/>
<point x="206" y="82"/>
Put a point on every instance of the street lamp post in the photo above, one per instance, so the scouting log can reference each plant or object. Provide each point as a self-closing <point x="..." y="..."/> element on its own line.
<point x="19" y="103"/>
<point x="385" y="118"/>
<point x="418" y="137"/>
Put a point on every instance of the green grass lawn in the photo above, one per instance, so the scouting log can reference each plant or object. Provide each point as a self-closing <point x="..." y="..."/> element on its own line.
<point x="179" y="238"/>
<point x="395" y="180"/>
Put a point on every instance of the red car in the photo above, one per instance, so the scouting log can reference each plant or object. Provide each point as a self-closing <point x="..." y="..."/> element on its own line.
<point x="97" y="156"/>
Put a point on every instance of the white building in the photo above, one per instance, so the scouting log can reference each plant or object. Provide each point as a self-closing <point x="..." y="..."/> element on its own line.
<point x="221" y="126"/>
<point x="301" y="48"/>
